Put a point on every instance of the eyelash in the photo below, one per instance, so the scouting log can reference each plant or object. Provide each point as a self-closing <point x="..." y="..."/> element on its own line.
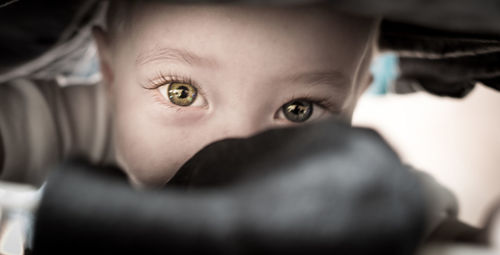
<point x="162" y="79"/>
<point x="324" y="102"/>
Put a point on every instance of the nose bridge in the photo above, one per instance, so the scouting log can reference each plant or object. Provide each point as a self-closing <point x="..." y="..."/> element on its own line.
<point x="237" y="122"/>
<point x="242" y="114"/>
<point x="238" y="127"/>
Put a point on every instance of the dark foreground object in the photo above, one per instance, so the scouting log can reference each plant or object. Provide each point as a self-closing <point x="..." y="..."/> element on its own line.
<point x="318" y="189"/>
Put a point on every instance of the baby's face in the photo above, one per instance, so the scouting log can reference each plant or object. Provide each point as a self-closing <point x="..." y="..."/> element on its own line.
<point x="185" y="76"/>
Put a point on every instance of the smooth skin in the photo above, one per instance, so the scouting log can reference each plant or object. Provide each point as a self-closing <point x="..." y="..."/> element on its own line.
<point x="245" y="62"/>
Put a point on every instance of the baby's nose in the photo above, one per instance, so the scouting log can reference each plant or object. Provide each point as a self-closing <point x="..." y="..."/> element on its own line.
<point x="238" y="128"/>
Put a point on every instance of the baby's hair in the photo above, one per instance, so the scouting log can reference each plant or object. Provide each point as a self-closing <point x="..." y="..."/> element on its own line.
<point x="118" y="16"/>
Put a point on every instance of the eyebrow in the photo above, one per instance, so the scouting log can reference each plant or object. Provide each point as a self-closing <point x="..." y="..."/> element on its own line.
<point x="174" y="55"/>
<point x="334" y="78"/>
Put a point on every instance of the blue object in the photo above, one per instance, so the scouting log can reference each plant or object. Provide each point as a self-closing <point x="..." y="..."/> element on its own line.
<point x="384" y="69"/>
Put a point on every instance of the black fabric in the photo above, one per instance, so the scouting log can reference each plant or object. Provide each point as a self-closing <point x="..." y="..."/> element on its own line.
<point x="441" y="62"/>
<point x="226" y="162"/>
<point x="29" y="28"/>
<point x="320" y="189"/>
<point x="463" y="16"/>
<point x="453" y="230"/>
<point x="446" y="46"/>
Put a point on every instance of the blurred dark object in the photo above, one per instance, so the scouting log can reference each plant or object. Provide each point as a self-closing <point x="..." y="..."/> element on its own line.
<point x="34" y="35"/>
<point x="328" y="144"/>
<point x="446" y="46"/>
<point x="28" y="28"/>
<point x="319" y="189"/>
<point x="452" y="230"/>
<point x="442" y="62"/>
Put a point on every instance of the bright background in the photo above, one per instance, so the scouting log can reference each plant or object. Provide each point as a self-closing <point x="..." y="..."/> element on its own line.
<point x="457" y="141"/>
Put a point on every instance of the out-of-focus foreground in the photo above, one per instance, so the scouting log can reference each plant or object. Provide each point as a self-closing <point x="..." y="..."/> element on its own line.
<point x="457" y="141"/>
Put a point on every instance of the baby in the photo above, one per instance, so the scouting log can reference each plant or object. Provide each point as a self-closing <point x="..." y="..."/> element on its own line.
<point x="179" y="77"/>
<point x="182" y="76"/>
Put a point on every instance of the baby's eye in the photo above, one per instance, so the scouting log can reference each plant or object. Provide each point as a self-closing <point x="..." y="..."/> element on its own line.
<point x="181" y="94"/>
<point x="300" y="110"/>
<point x="297" y="110"/>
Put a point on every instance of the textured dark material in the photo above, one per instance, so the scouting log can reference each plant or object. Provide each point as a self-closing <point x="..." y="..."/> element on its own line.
<point x="446" y="46"/>
<point x="441" y="62"/>
<point x="28" y="28"/>
<point x="321" y="189"/>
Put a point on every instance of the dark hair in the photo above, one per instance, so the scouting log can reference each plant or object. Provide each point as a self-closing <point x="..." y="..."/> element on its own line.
<point x="118" y="16"/>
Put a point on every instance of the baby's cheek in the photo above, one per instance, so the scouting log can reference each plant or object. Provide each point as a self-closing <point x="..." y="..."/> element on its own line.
<point x="148" y="160"/>
<point x="148" y="168"/>
<point x="150" y="153"/>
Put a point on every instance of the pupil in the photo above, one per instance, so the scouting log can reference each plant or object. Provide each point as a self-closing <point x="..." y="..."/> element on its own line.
<point x="298" y="111"/>
<point x="297" y="108"/>
<point x="184" y="92"/>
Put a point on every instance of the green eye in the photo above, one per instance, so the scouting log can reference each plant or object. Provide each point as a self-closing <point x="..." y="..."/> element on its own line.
<point x="298" y="110"/>
<point x="181" y="94"/>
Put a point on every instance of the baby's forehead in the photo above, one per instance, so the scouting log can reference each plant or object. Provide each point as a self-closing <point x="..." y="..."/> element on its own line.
<point x="138" y="13"/>
<point x="251" y="41"/>
<point x="227" y="33"/>
<point x="290" y="25"/>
